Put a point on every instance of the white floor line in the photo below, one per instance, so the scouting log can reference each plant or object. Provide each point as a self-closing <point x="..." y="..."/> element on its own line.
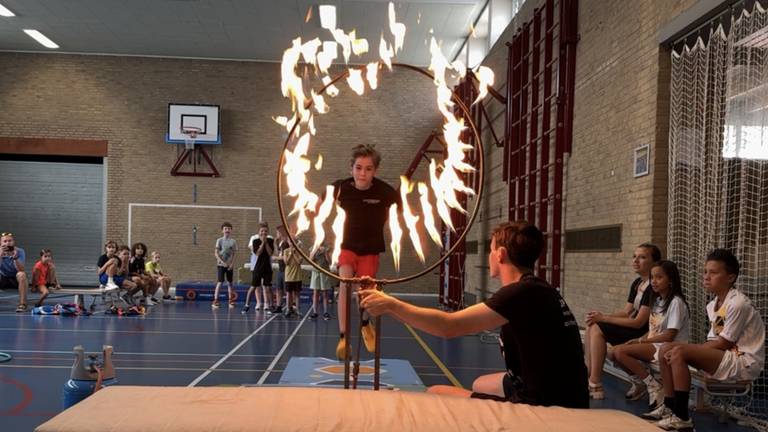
<point x="229" y="354"/>
<point x="282" y="350"/>
<point x="140" y="353"/>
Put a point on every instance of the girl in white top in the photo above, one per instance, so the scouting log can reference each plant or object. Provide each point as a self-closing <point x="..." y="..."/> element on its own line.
<point x="669" y="322"/>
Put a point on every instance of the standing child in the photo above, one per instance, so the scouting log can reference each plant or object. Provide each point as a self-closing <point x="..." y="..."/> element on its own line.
<point x="262" y="246"/>
<point x="138" y="273"/>
<point x="279" y="287"/>
<point x="44" y="276"/>
<point x="153" y="269"/>
<point x="320" y="282"/>
<point x="225" y="250"/>
<point x="292" y="280"/>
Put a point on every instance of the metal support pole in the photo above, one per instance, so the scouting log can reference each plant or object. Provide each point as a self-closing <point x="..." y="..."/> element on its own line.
<point x="377" y="354"/>
<point x="347" y="327"/>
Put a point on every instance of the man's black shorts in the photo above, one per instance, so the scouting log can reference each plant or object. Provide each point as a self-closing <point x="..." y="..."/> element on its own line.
<point x="7" y="283"/>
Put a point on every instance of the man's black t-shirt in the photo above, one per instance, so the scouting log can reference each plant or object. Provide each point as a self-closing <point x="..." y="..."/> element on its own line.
<point x="264" y="259"/>
<point x="104" y="258"/>
<point x="136" y="266"/>
<point x="367" y="212"/>
<point x="541" y="344"/>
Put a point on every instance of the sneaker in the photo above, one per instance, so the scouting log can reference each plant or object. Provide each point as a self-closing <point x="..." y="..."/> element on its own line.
<point x="636" y="392"/>
<point x="215" y="305"/>
<point x="166" y="298"/>
<point x="326" y="316"/>
<point x="246" y="308"/>
<point x="21" y="308"/>
<point x="340" y="349"/>
<point x="673" y="422"/>
<point x="150" y="301"/>
<point x="596" y="391"/>
<point x="658" y="413"/>
<point x="655" y="395"/>
<point x="288" y="312"/>
<point x="270" y="311"/>
<point x="313" y="316"/>
<point x="257" y="308"/>
<point x="277" y="309"/>
<point x="231" y="305"/>
<point x="112" y="286"/>
<point x="369" y="336"/>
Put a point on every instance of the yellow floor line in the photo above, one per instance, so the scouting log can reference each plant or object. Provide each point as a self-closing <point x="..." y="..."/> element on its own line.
<point x="434" y="358"/>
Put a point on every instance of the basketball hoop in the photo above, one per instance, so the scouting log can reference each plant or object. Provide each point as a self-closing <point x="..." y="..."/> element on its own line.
<point x="190" y="135"/>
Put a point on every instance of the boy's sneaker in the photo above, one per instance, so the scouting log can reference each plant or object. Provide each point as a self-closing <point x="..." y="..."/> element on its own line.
<point x="215" y="305"/>
<point x="111" y="285"/>
<point x="257" y="308"/>
<point x="246" y="308"/>
<point x="166" y="298"/>
<point x="21" y="308"/>
<point x="655" y="394"/>
<point x="277" y="309"/>
<point x="636" y="392"/>
<point x="673" y="422"/>
<point x="658" y="413"/>
<point x="153" y="301"/>
<point x="369" y="336"/>
<point x="313" y="316"/>
<point x="326" y="316"/>
<point x="231" y="305"/>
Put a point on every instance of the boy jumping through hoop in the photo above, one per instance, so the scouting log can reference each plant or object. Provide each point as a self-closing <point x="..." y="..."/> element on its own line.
<point x="366" y="201"/>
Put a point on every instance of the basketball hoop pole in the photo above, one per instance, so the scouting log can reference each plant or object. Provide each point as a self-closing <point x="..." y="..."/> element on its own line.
<point x="190" y="137"/>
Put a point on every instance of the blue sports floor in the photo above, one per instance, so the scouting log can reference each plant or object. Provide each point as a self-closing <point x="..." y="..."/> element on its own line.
<point x="186" y="343"/>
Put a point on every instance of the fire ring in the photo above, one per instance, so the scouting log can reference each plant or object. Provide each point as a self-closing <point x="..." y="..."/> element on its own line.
<point x="466" y="115"/>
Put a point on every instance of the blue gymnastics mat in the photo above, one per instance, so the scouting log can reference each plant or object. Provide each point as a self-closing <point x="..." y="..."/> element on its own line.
<point x="323" y="372"/>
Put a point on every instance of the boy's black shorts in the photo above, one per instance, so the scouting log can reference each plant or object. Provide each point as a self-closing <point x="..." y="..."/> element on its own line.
<point x="221" y="272"/>
<point x="261" y="277"/>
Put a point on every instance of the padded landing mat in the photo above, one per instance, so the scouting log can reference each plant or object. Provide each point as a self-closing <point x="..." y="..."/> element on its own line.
<point x="323" y="372"/>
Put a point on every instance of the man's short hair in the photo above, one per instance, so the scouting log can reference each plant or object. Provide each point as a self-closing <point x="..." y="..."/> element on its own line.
<point x="654" y="250"/>
<point x="365" y="150"/>
<point x="523" y="241"/>
<point x="729" y="260"/>
<point x="226" y="224"/>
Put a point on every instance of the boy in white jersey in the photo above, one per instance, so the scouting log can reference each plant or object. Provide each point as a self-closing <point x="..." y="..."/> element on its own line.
<point x="734" y="350"/>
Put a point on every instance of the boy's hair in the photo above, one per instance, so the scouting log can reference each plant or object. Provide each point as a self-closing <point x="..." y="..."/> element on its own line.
<point x="110" y="243"/>
<point x="675" y="286"/>
<point x="653" y="249"/>
<point x="138" y="245"/>
<point x="153" y="252"/>
<point x="728" y="259"/>
<point x="226" y="224"/>
<point x="523" y="241"/>
<point x="365" y="150"/>
<point x="44" y="251"/>
<point x="123" y="248"/>
<point x="263" y="225"/>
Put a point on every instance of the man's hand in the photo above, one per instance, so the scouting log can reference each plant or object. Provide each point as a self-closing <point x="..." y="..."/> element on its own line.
<point x="376" y="302"/>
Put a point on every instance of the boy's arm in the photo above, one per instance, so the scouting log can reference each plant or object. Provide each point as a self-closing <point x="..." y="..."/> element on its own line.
<point x="471" y="320"/>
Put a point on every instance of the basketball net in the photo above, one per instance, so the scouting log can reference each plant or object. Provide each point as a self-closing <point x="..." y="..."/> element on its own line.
<point x="190" y="136"/>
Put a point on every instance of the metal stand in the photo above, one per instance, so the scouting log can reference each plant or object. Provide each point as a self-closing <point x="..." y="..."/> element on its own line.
<point x="347" y="327"/>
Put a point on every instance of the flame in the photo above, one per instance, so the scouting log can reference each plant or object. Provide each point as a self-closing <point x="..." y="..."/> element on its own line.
<point x="485" y="79"/>
<point x="296" y="167"/>
<point x="355" y="81"/>
<point x="410" y="219"/>
<point x="344" y="40"/>
<point x="426" y="210"/>
<point x="331" y="90"/>
<point x="309" y="50"/>
<point x="319" y="163"/>
<point x="397" y="234"/>
<point x="326" y="57"/>
<point x="322" y="215"/>
<point x="437" y="188"/>
<point x="309" y="15"/>
<point x="459" y="67"/>
<point x="291" y="84"/>
<point x="371" y="71"/>
<point x="338" y="231"/>
<point x="397" y="29"/>
<point x="386" y="53"/>
<point x="319" y="103"/>
<point x="359" y="46"/>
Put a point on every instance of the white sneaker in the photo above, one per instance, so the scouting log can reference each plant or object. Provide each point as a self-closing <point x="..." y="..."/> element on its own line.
<point x="149" y="301"/>
<point x="655" y="394"/>
<point x="112" y="285"/>
<point x="658" y="413"/>
<point x="673" y="422"/>
<point x="636" y="392"/>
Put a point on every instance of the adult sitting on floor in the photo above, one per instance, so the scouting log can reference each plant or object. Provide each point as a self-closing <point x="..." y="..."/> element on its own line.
<point x="539" y="335"/>
<point x="12" y="274"/>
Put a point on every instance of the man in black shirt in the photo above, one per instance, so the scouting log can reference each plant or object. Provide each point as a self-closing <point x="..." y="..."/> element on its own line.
<point x="539" y="336"/>
<point x="366" y="201"/>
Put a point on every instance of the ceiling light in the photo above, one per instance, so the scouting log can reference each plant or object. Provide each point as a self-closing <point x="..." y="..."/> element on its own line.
<point x="327" y="16"/>
<point x="5" y="12"/>
<point x="40" y="38"/>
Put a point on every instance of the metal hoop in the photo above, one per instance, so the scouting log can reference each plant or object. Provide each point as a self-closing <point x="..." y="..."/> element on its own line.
<point x="480" y="168"/>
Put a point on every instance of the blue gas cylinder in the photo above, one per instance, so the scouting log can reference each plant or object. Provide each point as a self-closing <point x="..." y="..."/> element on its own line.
<point x="85" y="376"/>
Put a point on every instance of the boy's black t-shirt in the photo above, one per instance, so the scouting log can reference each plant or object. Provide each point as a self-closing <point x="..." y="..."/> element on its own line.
<point x="282" y="246"/>
<point x="264" y="261"/>
<point x="367" y="212"/>
<point x="136" y="266"/>
<point x="540" y="344"/>
<point x="104" y="258"/>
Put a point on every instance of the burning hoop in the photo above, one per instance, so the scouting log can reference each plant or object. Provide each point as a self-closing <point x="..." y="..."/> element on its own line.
<point x="478" y="195"/>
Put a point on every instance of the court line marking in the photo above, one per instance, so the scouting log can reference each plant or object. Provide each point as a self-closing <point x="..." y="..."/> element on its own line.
<point x="229" y="354"/>
<point x="128" y="368"/>
<point x="434" y="358"/>
<point x="282" y="350"/>
<point x="117" y="354"/>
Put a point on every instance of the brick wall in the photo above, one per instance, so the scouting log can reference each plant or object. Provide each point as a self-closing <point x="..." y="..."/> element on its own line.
<point x="124" y="100"/>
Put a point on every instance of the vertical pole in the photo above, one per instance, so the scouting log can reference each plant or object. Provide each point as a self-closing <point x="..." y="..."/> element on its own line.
<point x="377" y="355"/>
<point x="347" y="334"/>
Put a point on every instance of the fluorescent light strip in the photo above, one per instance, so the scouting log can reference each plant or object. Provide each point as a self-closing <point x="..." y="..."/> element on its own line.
<point x="40" y="38"/>
<point x="5" y="12"/>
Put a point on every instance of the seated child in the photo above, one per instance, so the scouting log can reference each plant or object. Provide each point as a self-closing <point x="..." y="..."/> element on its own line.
<point x="163" y="280"/>
<point x="44" y="276"/>
<point x="138" y="273"/>
<point x="113" y="270"/>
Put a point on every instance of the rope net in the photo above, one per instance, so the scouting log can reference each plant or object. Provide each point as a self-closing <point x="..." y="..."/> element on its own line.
<point x="718" y="185"/>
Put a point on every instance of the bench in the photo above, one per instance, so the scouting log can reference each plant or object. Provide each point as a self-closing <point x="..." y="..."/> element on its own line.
<point x="108" y="295"/>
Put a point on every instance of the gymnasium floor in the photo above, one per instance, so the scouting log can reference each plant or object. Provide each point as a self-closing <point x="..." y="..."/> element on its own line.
<point x="188" y="343"/>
